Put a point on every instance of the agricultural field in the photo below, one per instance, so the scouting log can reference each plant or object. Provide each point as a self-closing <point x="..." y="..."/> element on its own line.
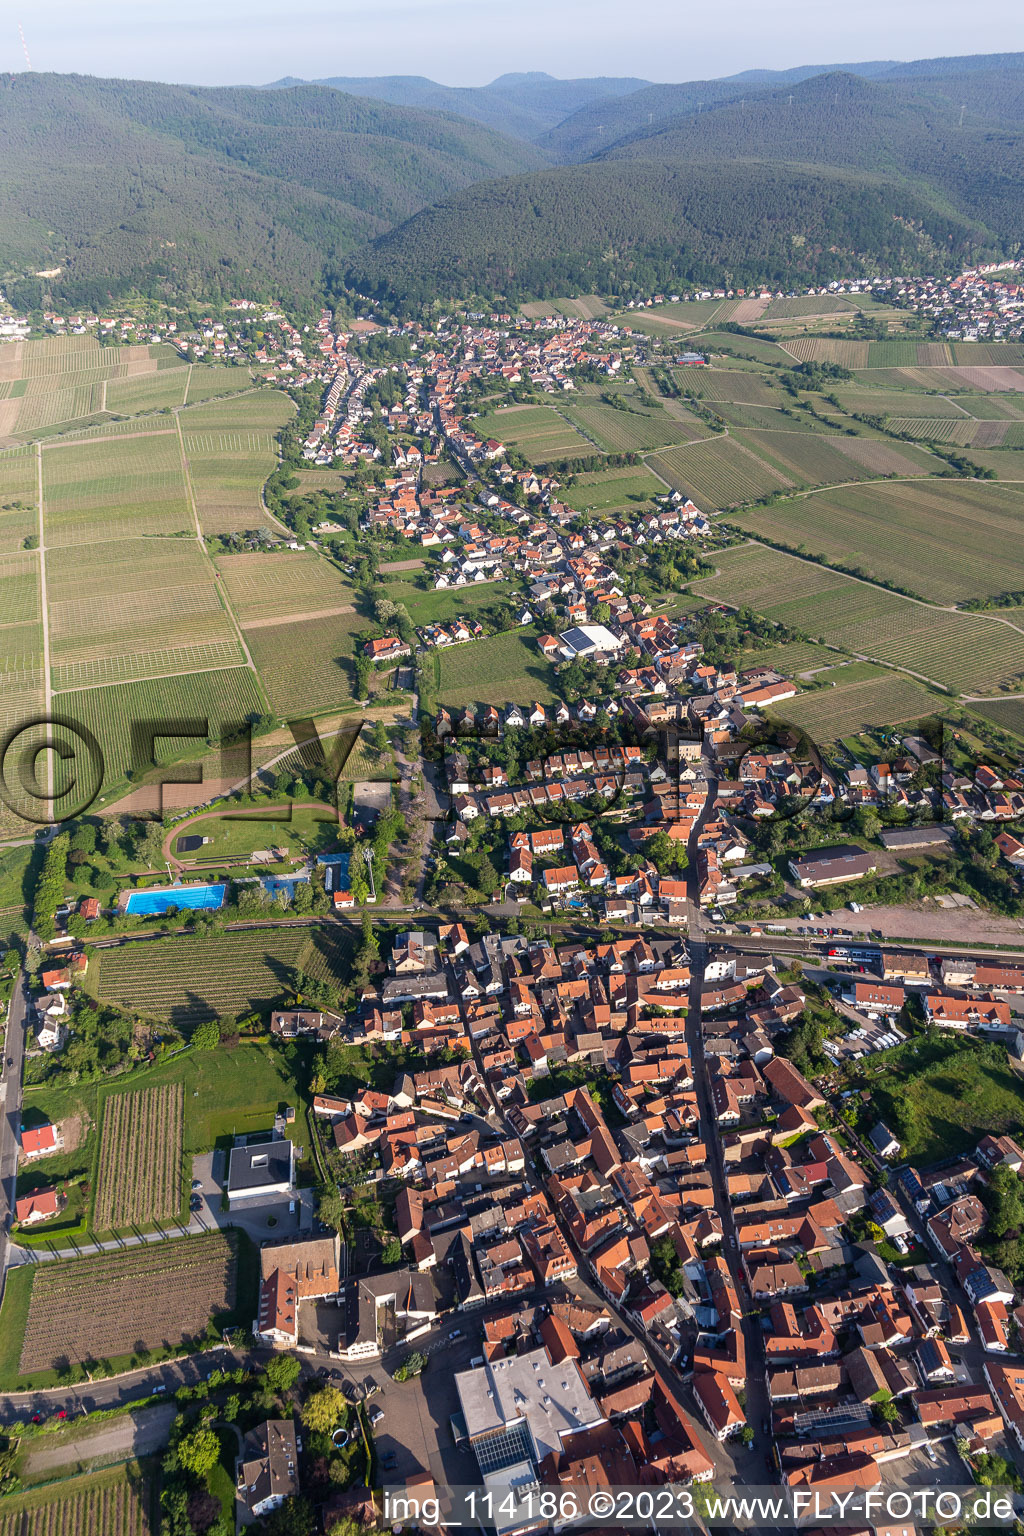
<point x="895" y="402"/>
<point x="612" y="490"/>
<point x="231" y="449"/>
<point x="140" y="1175"/>
<point x="208" y="381"/>
<point x="624" y="431"/>
<point x="19" y="505"/>
<point x="809" y="306"/>
<point x="961" y="652"/>
<point x="186" y="980"/>
<point x="1008" y="353"/>
<point x="147" y="392"/>
<point x="945" y="540"/>
<point x="162" y="614"/>
<point x="157" y="1296"/>
<point x="746" y="346"/>
<point x="47" y="386"/>
<point x="806" y="456"/>
<point x="537" y="431"/>
<point x="214" y="704"/>
<point x="717" y="473"/>
<point x="306" y="665"/>
<point x="587" y="307"/>
<point x="285" y="584"/>
<point x="114" y="1503"/>
<point x="791" y="658"/>
<point x="503" y="668"/>
<point x="885" y="698"/>
<point x="827" y="349"/>
<point x="888" y="458"/>
<point x="1007" y="713"/>
<point x="738" y="386"/>
<point x="960" y="430"/>
<point x="126" y="488"/>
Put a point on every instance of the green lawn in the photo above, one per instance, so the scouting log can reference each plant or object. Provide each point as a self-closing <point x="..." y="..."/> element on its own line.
<point x="226" y="1091"/>
<point x="607" y="490"/>
<point x="940" y="1094"/>
<point x="429" y="607"/>
<point x="234" y="836"/>
<point x="496" y="670"/>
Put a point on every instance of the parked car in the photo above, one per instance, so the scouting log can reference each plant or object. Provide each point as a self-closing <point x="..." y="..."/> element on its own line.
<point x="376" y="1416"/>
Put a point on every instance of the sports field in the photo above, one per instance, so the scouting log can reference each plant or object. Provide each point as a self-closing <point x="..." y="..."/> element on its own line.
<point x="962" y="652"/>
<point x="505" y="668"/>
<point x="538" y="431"/>
<point x="946" y="540"/>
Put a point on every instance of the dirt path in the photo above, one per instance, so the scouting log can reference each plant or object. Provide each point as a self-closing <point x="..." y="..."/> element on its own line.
<point x="137" y="1434"/>
<point x="298" y="618"/>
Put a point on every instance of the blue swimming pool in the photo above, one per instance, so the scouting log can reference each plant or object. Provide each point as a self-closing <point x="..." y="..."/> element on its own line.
<point x="151" y="903"/>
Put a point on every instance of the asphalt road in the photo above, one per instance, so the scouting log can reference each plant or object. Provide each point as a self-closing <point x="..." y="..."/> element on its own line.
<point x="10" y="1110"/>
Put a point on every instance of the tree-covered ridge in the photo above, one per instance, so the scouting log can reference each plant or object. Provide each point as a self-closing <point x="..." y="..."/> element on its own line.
<point x="130" y="182"/>
<point x="624" y="226"/>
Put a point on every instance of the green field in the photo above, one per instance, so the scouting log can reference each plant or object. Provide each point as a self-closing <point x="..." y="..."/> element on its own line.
<point x="537" y="431"/>
<point x="147" y="392"/>
<point x="307" y="664"/>
<point x="284" y="584"/>
<point x="963" y="652"/>
<point x="213" y="705"/>
<point x="115" y="1502"/>
<point x="125" y="488"/>
<point x="612" y="490"/>
<point x="230" y="838"/>
<point x="185" y="980"/>
<point x="718" y="473"/>
<point x="429" y="607"/>
<point x="231" y="449"/>
<point x="503" y="668"/>
<point x="857" y="705"/>
<point x="941" y="1095"/>
<point x="946" y="540"/>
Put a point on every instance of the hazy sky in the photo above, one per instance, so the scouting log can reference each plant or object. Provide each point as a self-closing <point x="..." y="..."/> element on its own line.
<point x="467" y="42"/>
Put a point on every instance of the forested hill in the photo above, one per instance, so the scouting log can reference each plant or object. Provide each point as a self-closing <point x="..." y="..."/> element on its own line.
<point x="524" y="105"/>
<point x="991" y="86"/>
<point x="836" y="175"/>
<point x="627" y="226"/>
<point x="125" y="183"/>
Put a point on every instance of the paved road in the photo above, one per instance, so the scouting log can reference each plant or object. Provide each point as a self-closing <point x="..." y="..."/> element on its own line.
<point x="10" y="1112"/>
<point x="758" y="1406"/>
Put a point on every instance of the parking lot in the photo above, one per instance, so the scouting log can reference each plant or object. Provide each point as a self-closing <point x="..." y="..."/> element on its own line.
<point x="415" y="1430"/>
<point x="261" y="1219"/>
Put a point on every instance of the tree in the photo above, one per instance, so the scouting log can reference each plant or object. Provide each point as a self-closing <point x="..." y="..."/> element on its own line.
<point x="198" y="1452"/>
<point x="392" y="1253"/>
<point x="281" y="1373"/>
<point x="203" y="1509"/>
<point x="292" y="1518"/>
<point x="331" y="1207"/>
<point x="206" y="1036"/>
<point x="1005" y="1200"/>
<point x="747" y="1434"/>
<point x="322" y="1410"/>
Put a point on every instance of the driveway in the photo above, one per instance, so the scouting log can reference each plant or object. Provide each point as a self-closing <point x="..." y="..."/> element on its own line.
<point x="281" y="1216"/>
